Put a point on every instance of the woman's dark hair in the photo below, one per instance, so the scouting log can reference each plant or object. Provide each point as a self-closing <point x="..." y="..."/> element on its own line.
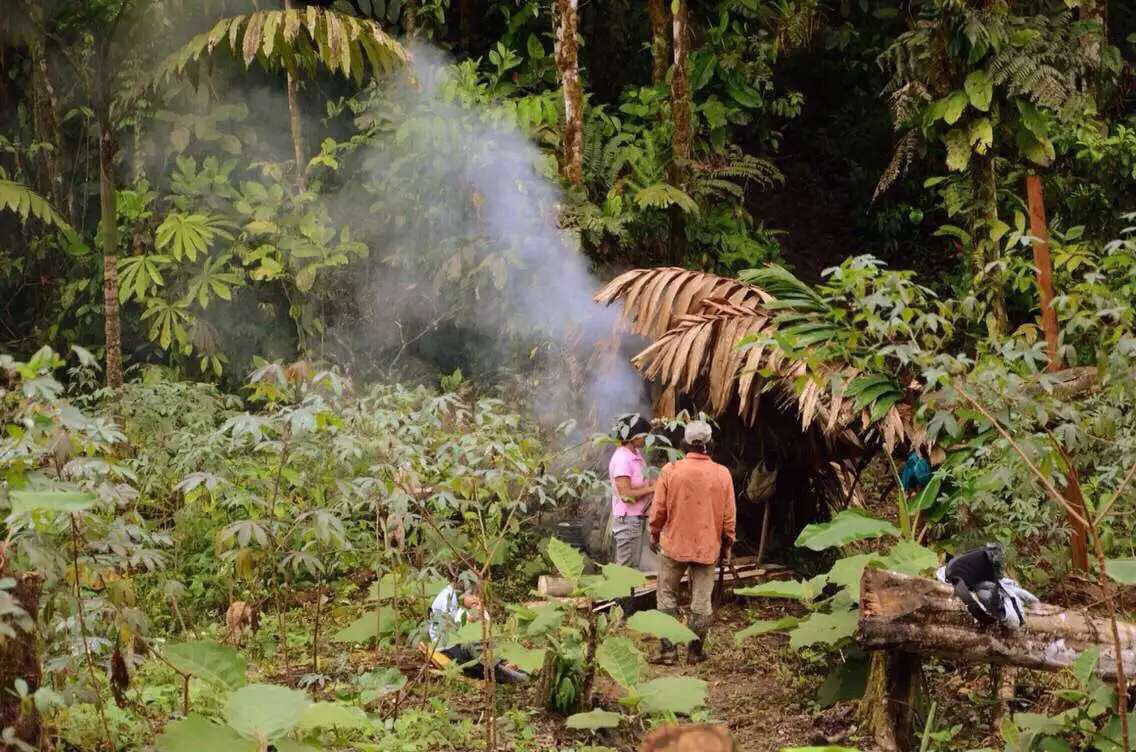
<point x="630" y="426"/>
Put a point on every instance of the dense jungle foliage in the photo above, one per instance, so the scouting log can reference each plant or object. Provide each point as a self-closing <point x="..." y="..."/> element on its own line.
<point x="296" y="327"/>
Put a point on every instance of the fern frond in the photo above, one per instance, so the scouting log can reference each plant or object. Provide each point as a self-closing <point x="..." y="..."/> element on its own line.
<point x="663" y="196"/>
<point x="905" y="152"/>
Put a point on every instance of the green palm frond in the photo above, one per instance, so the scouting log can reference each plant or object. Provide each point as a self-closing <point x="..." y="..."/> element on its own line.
<point x="298" y="40"/>
<point x="789" y="291"/>
<point x="27" y="203"/>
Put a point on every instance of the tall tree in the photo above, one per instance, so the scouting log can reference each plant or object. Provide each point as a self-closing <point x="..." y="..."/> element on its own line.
<point x="567" y="62"/>
<point x="682" y="140"/>
<point x="970" y="79"/>
<point x="660" y="47"/>
<point x="295" y="123"/>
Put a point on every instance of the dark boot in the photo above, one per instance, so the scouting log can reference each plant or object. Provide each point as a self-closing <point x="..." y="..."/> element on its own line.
<point x="627" y="605"/>
<point x="696" y="651"/>
<point x="668" y="651"/>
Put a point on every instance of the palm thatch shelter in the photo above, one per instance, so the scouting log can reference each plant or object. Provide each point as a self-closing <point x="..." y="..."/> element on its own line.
<point x="713" y="348"/>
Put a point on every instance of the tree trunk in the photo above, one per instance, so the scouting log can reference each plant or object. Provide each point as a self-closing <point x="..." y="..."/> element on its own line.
<point x="1043" y="262"/>
<point x="465" y="24"/>
<point x="108" y="223"/>
<point x="659" y="45"/>
<point x="920" y="616"/>
<point x="683" y="134"/>
<point x="19" y="659"/>
<point x="986" y="249"/>
<point x="409" y="17"/>
<point x="567" y="63"/>
<point x="296" y="125"/>
<point x="46" y="126"/>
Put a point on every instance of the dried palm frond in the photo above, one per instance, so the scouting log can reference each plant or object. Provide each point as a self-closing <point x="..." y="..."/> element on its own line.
<point x="654" y="299"/>
<point x="714" y="339"/>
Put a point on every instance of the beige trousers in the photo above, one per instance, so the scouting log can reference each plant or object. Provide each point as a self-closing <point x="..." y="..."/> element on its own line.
<point x="701" y="586"/>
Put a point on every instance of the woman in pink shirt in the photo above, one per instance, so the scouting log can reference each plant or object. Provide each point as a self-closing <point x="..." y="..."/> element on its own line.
<point x="630" y="489"/>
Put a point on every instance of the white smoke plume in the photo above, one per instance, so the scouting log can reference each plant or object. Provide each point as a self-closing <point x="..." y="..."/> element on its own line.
<point x="464" y="213"/>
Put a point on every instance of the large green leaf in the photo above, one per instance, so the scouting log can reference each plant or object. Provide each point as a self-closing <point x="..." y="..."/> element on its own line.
<point x="825" y="629"/>
<point x="217" y="664"/>
<point x="845" y="527"/>
<point x="908" y="557"/>
<point x="979" y="89"/>
<point x="545" y="619"/>
<point x="1084" y="665"/>
<point x="195" y="733"/>
<point x="847" y="572"/>
<point x="759" y="628"/>
<point x="379" y="683"/>
<point x="957" y="141"/>
<point x="797" y="590"/>
<point x="528" y="660"/>
<point x="567" y="560"/>
<point x="1121" y="570"/>
<point x="369" y="626"/>
<point x="846" y="681"/>
<point x="333" y="715"/>
<point x="672" y="694"/>
<point x="265" y="711"/>
<point x="663" y="626"/>
<point x="956" y="103"/>
<point x="596" y="719"/>
<point x="50" y="501"/>
<point x="617" y="582"/>
<point x="624" y="662"/>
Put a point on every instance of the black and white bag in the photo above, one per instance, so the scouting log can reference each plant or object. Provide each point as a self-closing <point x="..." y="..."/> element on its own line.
<point x="990" y="597"/>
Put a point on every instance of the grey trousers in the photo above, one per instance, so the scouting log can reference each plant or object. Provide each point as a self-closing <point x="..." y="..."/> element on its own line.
<point x="628" y="535"/>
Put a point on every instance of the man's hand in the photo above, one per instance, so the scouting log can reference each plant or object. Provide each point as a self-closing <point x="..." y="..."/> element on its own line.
<point x="654" y="545"/>
<point x="727" y="554"/>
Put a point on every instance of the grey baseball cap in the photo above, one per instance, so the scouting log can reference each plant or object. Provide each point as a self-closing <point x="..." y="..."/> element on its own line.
<point x="698" y="432"/>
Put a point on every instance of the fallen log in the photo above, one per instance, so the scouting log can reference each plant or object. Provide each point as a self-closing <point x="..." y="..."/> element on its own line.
<point x="918" y="616"/>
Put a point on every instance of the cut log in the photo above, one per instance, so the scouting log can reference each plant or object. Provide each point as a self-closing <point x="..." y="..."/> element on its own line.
<point x="915" y="615"/>
<point x="557" y="587"/>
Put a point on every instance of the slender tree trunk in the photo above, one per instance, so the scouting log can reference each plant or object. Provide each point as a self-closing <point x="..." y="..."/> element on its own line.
<point x="409" y="17"/>
<point x="660" y="48"/>
<point x="465" y="24"/>
<point x="108" y="223"/>
<point x="567" y="62"/>
<point x="295" y="124"/>
<point x="1044" y="264"/>
<point x="683" y="128"/>
<point x="986" y="249"/>
<point x="46" y="128"/>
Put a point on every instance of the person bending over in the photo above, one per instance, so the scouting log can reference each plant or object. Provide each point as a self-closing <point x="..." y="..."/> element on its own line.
<point x="452" y="608"/>
<point x="694" y="523"/>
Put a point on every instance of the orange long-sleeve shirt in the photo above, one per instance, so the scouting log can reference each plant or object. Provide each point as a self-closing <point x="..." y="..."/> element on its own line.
<point x="694" y="509"/>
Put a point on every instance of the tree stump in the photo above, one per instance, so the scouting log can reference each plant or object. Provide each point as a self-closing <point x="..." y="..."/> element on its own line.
<point x="689" y="738"/>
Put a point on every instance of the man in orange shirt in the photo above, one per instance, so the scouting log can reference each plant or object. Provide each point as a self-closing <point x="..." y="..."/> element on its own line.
<point x="694" y="521"/>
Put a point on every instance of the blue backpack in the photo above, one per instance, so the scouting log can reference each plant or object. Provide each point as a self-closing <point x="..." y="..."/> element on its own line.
<point x="916" y="472"/>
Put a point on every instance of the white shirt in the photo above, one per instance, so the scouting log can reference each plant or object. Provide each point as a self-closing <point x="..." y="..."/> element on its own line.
<point x="446" y="613"/>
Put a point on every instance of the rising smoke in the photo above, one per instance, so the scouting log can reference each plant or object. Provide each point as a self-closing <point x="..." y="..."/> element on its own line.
<point x="463" y="209"/>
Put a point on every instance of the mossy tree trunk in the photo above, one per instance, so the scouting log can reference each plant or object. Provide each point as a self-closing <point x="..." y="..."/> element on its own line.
<point x="567" y="63"/>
